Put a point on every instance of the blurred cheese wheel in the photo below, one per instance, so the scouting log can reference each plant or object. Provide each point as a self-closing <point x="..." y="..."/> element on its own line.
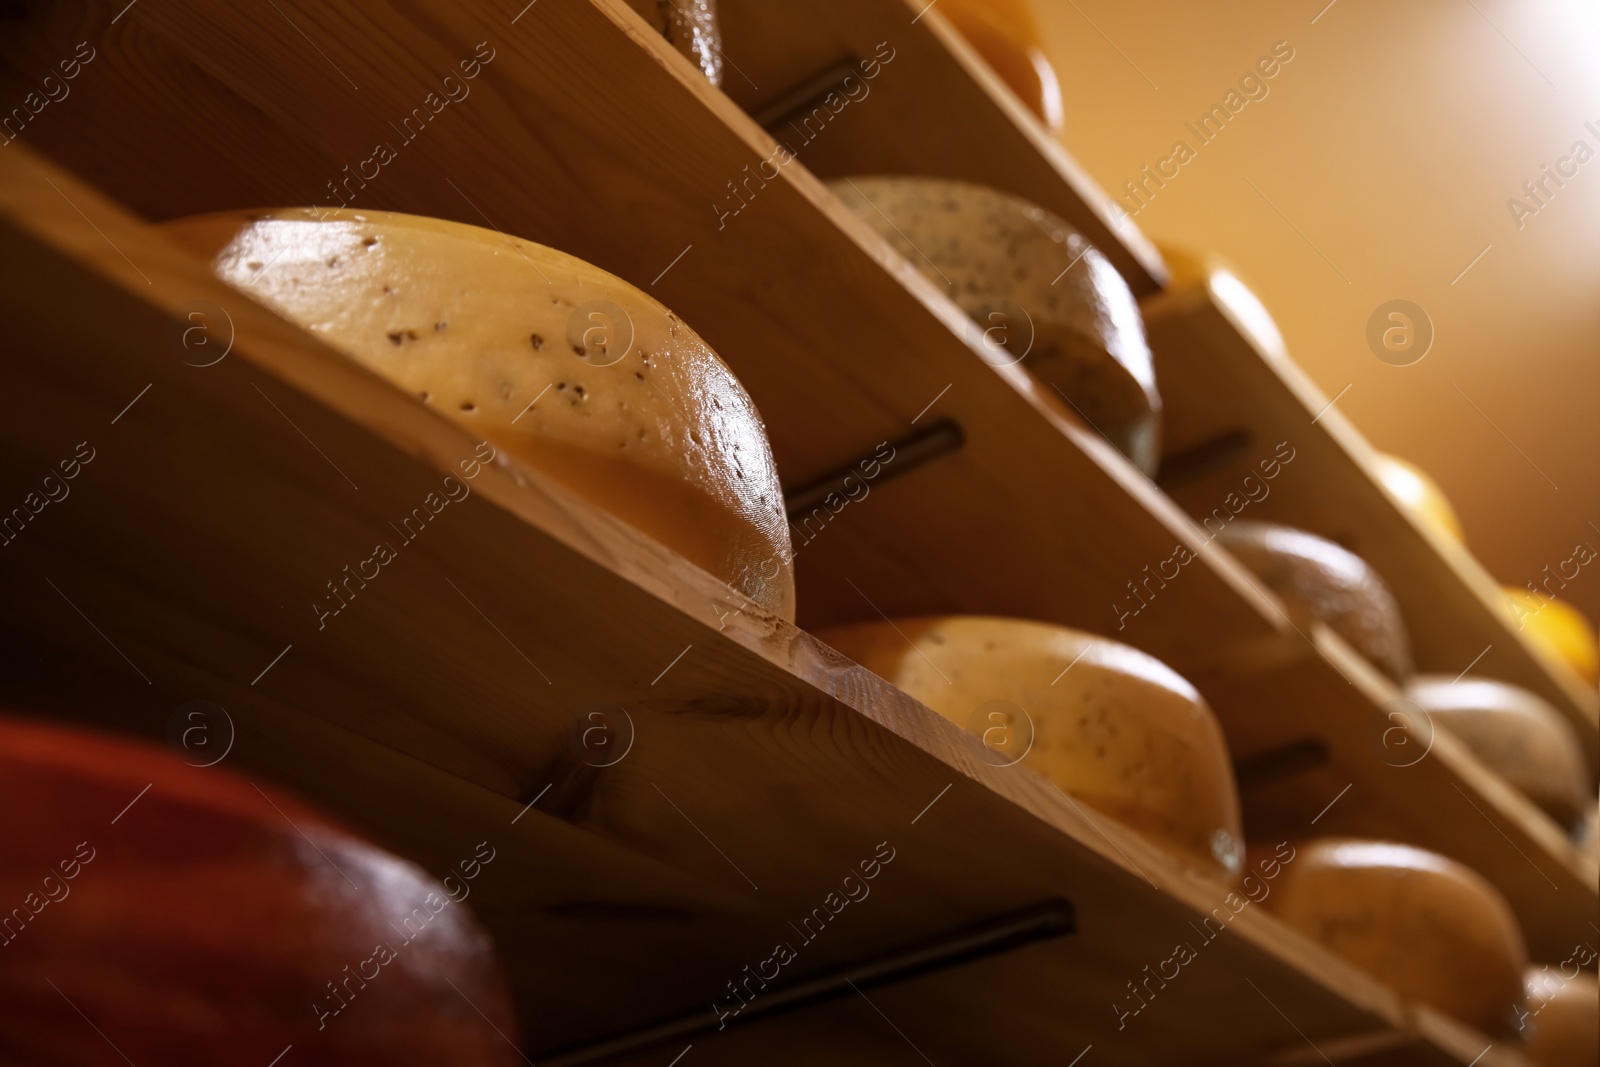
<point x="1421" y="496"/>
<point x="194" y="918"/>
<point x="1515" y="733"/>
<point x="1119" y="730"/>
<point x="1004" y="34"/>
<point x="1563" y="1019"/>
<point x="1561" y="628"/>
<point x="1430" y="928"/>
<point x="1316" y="579"/>
<point x="1189" y="270"/>
<point x="570" y="369"/>
<point x="1037" y="292"/>
<point x="691" y="27"/>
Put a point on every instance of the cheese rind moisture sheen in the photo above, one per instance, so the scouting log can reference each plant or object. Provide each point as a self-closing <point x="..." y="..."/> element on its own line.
<point x="1032" y="284"/>
<point x="566" y="367"/>
<point x="1113" y="727"/>
<point x="1428" y="927"/>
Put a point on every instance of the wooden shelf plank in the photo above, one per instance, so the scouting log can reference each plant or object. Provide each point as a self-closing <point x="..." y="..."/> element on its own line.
<point x="936" y="109"/>
<point x="1372" y="780"/>
<point x="588" y="133"/>
<point x="1220" y="383"/>
<point x="781" y="765"/>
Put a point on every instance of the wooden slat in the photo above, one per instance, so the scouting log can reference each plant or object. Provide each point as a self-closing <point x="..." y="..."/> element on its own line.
<point x="588" y="133"/>
<point x="764" y="767"/>
<point x="935" y="109"/>
<point x="1219" y="382"/>
<point x="1376" y="781"/>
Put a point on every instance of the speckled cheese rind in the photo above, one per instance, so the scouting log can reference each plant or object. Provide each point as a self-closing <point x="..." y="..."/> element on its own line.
<point x="691" y="27"/>
<point x="991" y="253"/>
<point x="1120" y="730"/>
<point x="1514" y="732"/>
<point x="1431" y="929"/>
<point x="1316" y="579"/>
<point x="480" y="325"/>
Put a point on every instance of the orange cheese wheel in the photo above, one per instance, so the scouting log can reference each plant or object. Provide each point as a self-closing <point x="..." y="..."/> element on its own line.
<point x="1004" y="34"/>
<point x="1430" y="928"/>
<point x="1563" y="630"/>
<point x="1420" y="495"/>
<point x="193" y="917"/>
<point x="1514" y="732"/>
<point x="1113" y="727"/>
<point x="1038" y="293"/>
<point x="1316" y="579"/>
<point x="570" y="369"/>
<point x="1562" y="1027"/>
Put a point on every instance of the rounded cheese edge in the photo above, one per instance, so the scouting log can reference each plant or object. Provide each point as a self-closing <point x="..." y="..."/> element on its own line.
<point x="568" y="368"/>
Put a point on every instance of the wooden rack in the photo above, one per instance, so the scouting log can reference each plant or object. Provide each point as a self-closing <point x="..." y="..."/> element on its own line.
<point x="436" y="715"/>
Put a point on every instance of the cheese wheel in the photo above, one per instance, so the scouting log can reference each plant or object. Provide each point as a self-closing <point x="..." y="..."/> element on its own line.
<point x="1004" y="34"/>
<point x="1430" y="928"/>
<point x="1420" y="495"/>
<point x="1562" y="1027"/>
<point x="1563" y="630"/>
<point x="195" y="918"/>
<point x="570" y="369"/>
<point x="691" y="27"/>
<point x="1190" y="270"/>
<point x="1110" y="725"/>
<point x="1515" y="733"/>
<point x="1037" y="292"/>
<point x="1316" y="579"/>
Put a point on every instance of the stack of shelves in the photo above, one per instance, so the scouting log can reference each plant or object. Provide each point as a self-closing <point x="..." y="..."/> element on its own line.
<point x="436" y="711"/>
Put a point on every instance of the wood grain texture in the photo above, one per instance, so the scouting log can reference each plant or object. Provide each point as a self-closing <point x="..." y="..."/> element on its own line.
<point x="619" y="152"/>
<point x="1378" y="781"/>
<point x="937" y="109"/>
<point x="1218" y="381"/>
<point x="763" y="767"/>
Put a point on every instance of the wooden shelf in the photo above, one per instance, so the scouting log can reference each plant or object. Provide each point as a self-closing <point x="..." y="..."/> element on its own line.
<point x="936" y="93"/>
<point x="434" y="711"/>
<point x="1319" y="753"/>
<point x="840" y="349"/>
<point x="1224" y="386"/>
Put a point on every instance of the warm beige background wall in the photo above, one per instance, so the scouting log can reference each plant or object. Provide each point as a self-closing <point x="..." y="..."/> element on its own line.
<point x="1388" y="148"/>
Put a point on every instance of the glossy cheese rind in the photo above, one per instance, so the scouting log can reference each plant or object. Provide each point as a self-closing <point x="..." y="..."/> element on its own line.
<point x="1317" y="579"/>
<point x="1113" y="727"/>
<point x="195" y="915"/>
<point x="1004" y="34"/>
<point x="1514" y="732"/>
<point x="1036" y="290"/>
<point x="566" y="367"/>
<point x="1431" y="929"/>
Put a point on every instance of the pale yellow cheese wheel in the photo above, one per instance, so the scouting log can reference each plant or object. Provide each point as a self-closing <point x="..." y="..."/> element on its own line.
<point x="1037" y="291"/>
<point x="1431" y="929"/>
<point x="1516" y="733"/>
<point x="1113" y="727"/>
<point x="1562" y="1028"/>
<point x="629" y="407"/>
<point x="691" y="27"/>
<point x="1317" y="579"/>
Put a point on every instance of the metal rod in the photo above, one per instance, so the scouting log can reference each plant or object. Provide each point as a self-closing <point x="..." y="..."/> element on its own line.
<point x="1203" y="458"/>
<point x="1275" y="764"/>
<point x="809" y="92"/>
<point x="912" y="452"/>
<point x="1040" y="922"/>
